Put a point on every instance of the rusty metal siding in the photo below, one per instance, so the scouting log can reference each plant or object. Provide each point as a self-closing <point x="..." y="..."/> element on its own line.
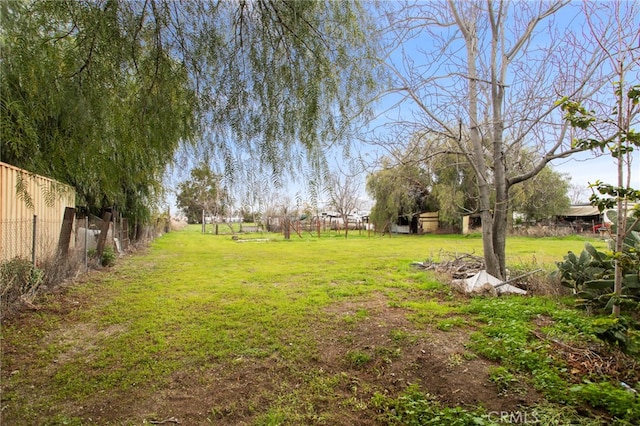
<point x="49" y="199"/>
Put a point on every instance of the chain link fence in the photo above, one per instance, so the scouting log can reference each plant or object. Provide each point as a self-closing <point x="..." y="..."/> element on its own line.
<point x="16" y="239"/>
<point x="32" y="239"/>
<point x="32" y="257"/>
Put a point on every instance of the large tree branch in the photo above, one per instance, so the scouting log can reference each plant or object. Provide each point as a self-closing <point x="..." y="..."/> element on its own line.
<point x="548" y="157"/>
<point x="526" y="35"/>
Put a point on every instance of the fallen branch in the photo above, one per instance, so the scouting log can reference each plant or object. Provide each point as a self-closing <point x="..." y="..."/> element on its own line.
<point x="161" y="422"/>
<point x="518" y="278"/>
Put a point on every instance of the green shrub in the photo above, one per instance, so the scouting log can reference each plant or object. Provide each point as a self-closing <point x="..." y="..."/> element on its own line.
<point x="18" y="277"/>
<point x="108" y="256"/>
<point x="591" y="275"/>
<point x="623" y="404"/>
<point x="617" y="332"/>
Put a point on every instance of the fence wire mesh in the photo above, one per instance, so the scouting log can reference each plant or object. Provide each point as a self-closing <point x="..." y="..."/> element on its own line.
<point x="33" y="239"/>
<point x="16" y="238"/>
<point x="32" y="245"/>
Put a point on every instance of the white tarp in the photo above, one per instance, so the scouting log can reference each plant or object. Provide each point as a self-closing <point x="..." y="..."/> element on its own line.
<point x="581" y="211"/>
<point x="482" y="278"/>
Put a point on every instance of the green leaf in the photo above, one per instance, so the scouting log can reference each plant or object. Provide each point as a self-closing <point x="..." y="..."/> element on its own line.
<point x="585" y="295"/>
<point x="599" y="284"/>
<point x="593" y="252"/>
<point x="631" y="281"/>
<point x="584" y="258"/>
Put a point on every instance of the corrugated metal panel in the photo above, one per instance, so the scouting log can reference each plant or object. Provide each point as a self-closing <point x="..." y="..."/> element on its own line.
<point x="41" y="196"/>
<point x="400" y="229"/>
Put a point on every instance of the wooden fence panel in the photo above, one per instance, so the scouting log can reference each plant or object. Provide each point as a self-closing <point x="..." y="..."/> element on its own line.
<point x="23" y="195"/>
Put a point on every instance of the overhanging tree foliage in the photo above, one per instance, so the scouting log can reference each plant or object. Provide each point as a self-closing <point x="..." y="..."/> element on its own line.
<point x="85" y="102"/>
<point x="100" y="94"/>
<point x="613" y="131"/>
<point x="615" y="135"/>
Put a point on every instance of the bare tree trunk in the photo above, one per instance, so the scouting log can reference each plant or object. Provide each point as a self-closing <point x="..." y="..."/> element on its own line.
<point x="477" y="157"/>
<point x="499" y="161"/>
<point x="286" y="227"/>
<point x="345" y="221"/>
<point x="621" y="207"/>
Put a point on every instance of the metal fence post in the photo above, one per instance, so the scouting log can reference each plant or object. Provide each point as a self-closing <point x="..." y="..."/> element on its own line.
<point x="33" y="241"/>
<point x="86" y="246"/>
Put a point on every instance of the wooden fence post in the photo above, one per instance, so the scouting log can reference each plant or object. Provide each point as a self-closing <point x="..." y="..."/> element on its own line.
<point x="65" y="231"/>
<point x="106" y="221"/>
<point x="286" y="229"/>
<point x="124" y="235"/>
<point x="86" y="243"/>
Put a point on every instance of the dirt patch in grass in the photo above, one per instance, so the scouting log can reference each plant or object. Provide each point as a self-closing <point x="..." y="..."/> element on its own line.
<point x="403" y="353"/>
<point x="356" y="349"/>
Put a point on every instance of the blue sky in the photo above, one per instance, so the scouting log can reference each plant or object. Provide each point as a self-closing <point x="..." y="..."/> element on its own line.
<point x="585" y="169"/>
<point x="581" y="169"/>
<point x="414" y="56"/>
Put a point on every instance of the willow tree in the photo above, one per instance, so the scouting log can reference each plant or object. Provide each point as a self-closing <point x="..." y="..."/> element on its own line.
<point x="399" y="189"/>
<point x="102" y="94"/>
<point x="445" y="181"/>
<point x="424" y="176"/>
<point x="85" y="103"/>
<point x="485" y="77"/>
<point x="544" y="196"/>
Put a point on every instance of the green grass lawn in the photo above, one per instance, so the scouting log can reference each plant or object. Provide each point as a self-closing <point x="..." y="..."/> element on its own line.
<point x="197" y="313"/>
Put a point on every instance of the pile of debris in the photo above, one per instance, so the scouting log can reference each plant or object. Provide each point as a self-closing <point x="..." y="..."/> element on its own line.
<point x="459" y="267"/>
<point x="468" y="274"/>
<point x="587" y="358"/>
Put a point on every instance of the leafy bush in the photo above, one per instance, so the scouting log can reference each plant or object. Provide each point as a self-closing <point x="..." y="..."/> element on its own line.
<point x="18" y="278"/>
<point x="617" y="331"/>
<point x="591" y="275"/>
<point x="623" y="404"/>
<point x="108" y="257"/>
